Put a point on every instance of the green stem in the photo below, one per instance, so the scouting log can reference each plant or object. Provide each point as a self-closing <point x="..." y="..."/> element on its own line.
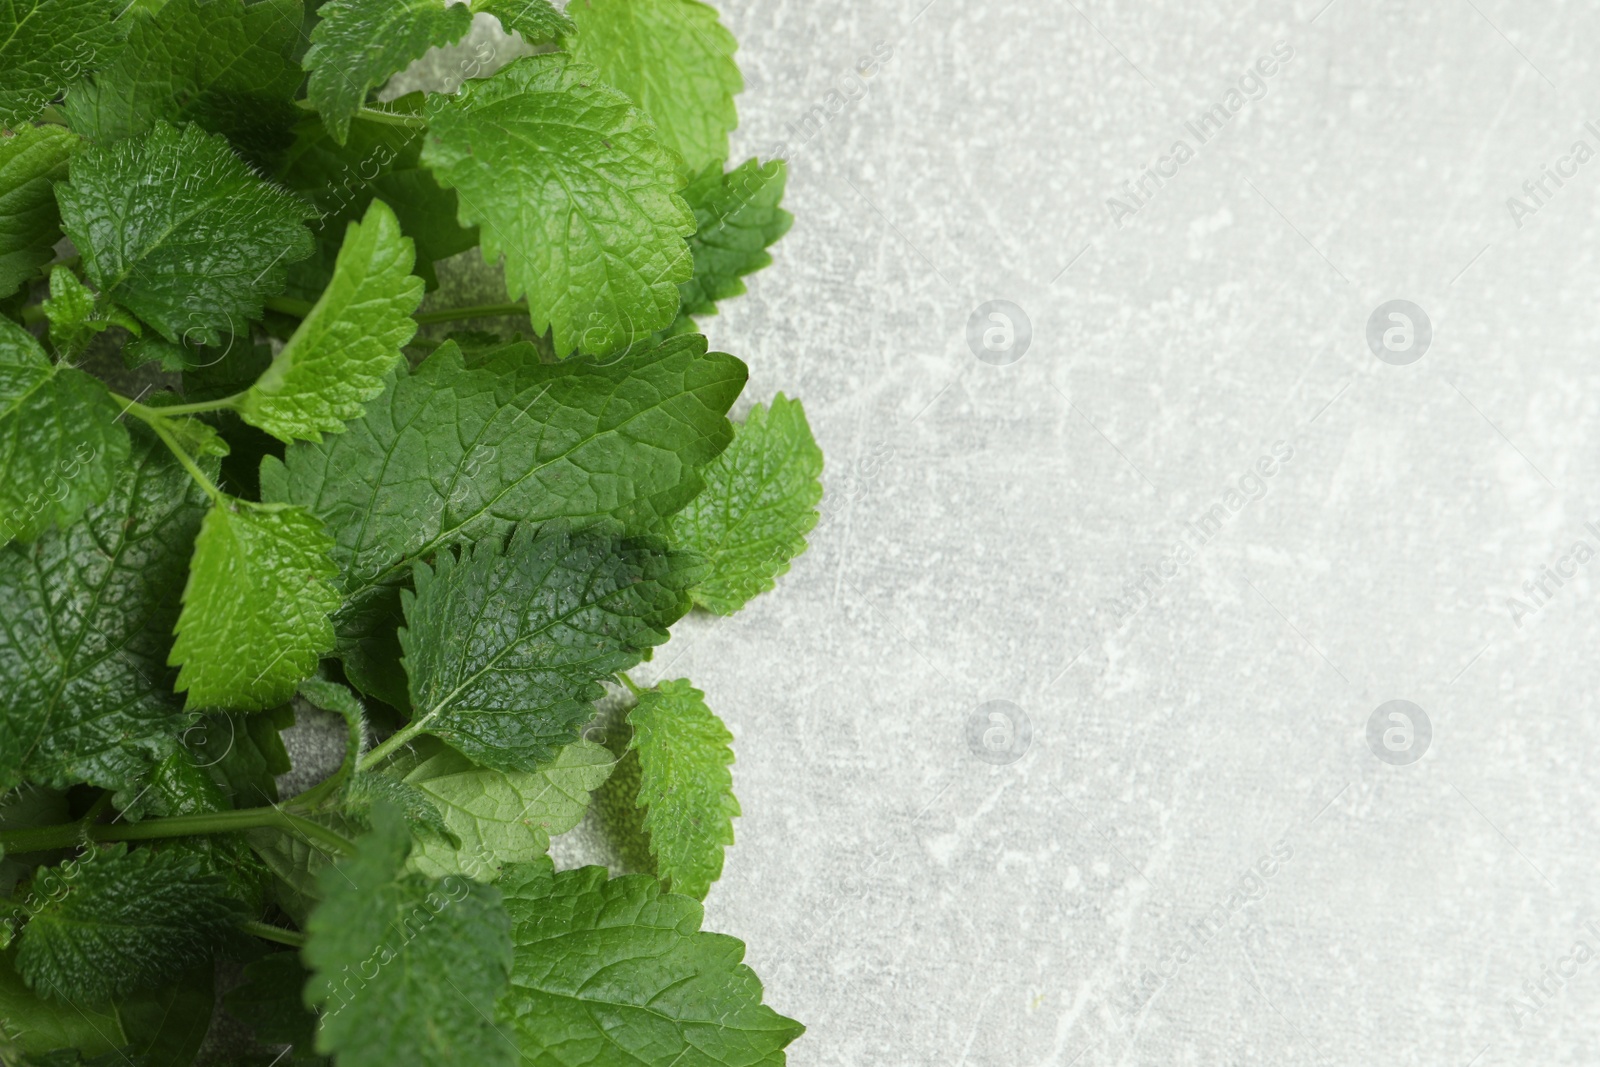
<point x="32" y="314"/>
<point x="285" y="305"/>
<point x="44" y="838"/>
<point x="381" y="752"/>
<point x="374" y="114"/>
<point x="158" y="424"/>
<point x="625" y="680"/>
<point x="268" y="932"/>
<point x="481" y="311"/>
<point x="169" y="411"/>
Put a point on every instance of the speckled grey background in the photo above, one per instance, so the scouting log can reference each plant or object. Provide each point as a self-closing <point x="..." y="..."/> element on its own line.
<point x="914" y="904"/>
<point x="1197" y="858"/>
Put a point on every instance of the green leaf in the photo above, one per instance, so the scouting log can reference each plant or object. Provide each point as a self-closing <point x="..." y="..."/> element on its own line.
<point x="377" y="161"/>
<point x="46" y="45"/>
<point x="437" y="952"/>
<point x="177" y="229"/>
<point x="339" y="355"/>
<point x="31" y="161"/>
<point x="225" y="65"/>
<point x="576" y="190"/>
<point x="113" y="921"/>
<point x="70" y="309"/>
<point x="255" y="609"/>
<point x="739" y="218"/>
<point x="453" y="452"/>
<point x="34" y="1024"/>
<point x="86" y="618"/>
<point x="180" y="786"/>
<point x="505" y="649"/>
<point x="684" y="756"/>
<point x="502" y="817"/>
<point x="673" y="59"/>
<point x="61" y="440"/>
<point x="167" y="1025"/>
<point x="536" y="20"/>
<point x="243" y="753"/>
<point x="616" y="971"/>
<point x="358" y="44"/>
<point x="759" y="503"/>
<point x="76" y="317"/>
<point x="271" y="1001"/>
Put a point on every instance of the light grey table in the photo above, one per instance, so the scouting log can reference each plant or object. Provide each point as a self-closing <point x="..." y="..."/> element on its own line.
<point x="1194" y="854"/>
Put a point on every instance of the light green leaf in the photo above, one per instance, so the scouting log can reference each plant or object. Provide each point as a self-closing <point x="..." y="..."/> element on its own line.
<point x="31" y="160"/>
<point x="177" y="229"/>
<point x="338" y="356"/>
<point x="506" y="648"/>
<point x="61" y="439"/>
<point x="759" y="503"/>
<point x="113" y="921"/>
<point x="673" y="59"/>
<point x="685" y="787"/>
<point x="438" y="954"/>
<point x="255" y="609"/>
<point x="616" y="971"/>
<point x="358" y="44"/>
<point x="503" y="817"/>
<point x="452" y="453"/>
<point x="86" y="618"/>
<point x="45" y="46"/>
<point x="70" y="309"/>
<point x="739" y="218"/>
<point x="576" y="190"/>
<point x="536" y="20"/>
<point x="226" y="65"/>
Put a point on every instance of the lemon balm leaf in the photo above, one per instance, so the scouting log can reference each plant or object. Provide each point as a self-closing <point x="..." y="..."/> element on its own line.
<point x="505" y="648"/>
<point x="338" y="357"/>
<point x="358" y="44"/>
<point x="255" y="609"/>
<point x="573" y="187"/>
<point x="759" y="503"/>
<point x="672" y="58"/>
<point x="181" y="232"/>
<point x="685" y="785"/>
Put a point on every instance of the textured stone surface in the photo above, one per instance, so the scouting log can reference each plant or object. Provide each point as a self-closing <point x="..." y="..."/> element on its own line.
<point x="913" y="904"/>
<point x="986" y="529"/>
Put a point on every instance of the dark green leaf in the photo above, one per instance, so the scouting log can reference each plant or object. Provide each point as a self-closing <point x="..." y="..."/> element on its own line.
<point x="225" y="65"/>
<point x="61" y="438"/>
<point x="358" y="44"/>
<point x="177" y="229"/>
<point x="112" y="921"/>
<point x="505" y="649"/>
<point x="86" y="618"/>
<point x="452" y="453"/>
<point x="45" y="46"/>
<point x="739" y="218"/>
